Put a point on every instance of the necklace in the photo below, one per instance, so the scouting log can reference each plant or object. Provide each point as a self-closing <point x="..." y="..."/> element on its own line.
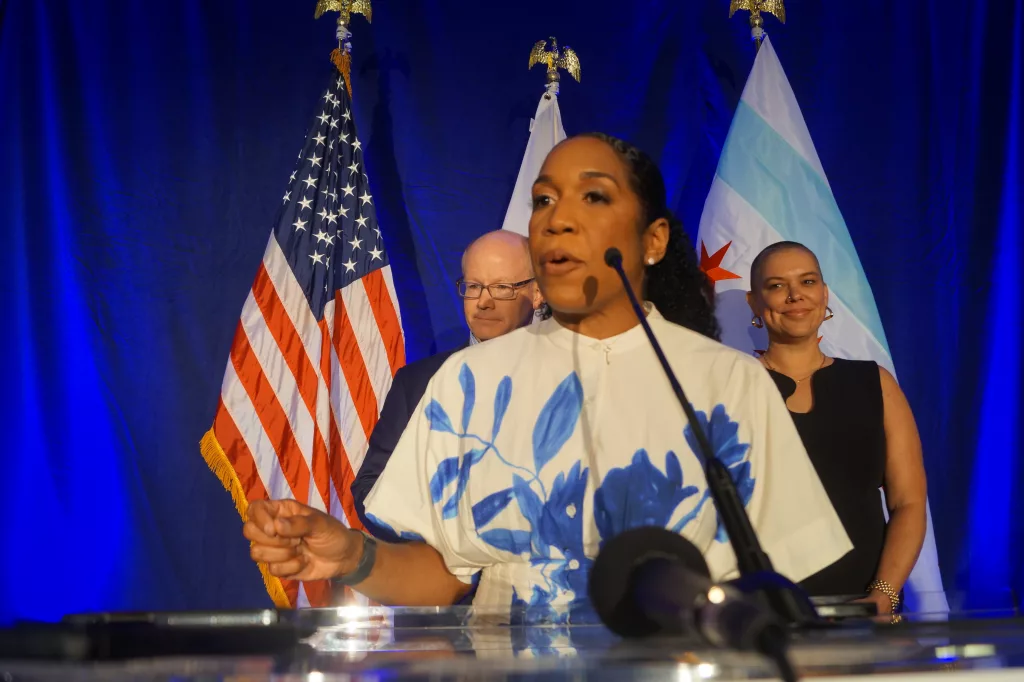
<point x="768" y="364"/>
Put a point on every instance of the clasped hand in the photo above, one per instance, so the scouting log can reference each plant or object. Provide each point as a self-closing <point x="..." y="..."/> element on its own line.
<point x="297" y="542"/>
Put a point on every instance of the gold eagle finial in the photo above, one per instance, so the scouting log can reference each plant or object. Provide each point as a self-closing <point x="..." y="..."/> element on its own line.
<point x="756" y="7"/>
<point x="555" y="59"/>
<point x="345" y="9"/>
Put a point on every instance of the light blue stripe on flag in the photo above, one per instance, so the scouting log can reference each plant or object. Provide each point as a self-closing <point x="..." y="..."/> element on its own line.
<point x="779" y="183"/>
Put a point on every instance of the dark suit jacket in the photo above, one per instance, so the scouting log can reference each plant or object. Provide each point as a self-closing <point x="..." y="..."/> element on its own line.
<point x="406" y="390"/>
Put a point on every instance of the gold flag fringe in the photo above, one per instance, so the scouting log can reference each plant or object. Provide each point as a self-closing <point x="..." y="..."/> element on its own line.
<point x="342" y="60"/>
<point x="222" y="469"/>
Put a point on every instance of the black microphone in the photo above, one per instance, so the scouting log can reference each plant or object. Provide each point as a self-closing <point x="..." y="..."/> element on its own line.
<point x="751" y="559"/>
<point x="650" y="581"/>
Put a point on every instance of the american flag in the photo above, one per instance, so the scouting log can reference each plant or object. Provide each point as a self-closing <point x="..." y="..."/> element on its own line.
<point x="318" y="342"/>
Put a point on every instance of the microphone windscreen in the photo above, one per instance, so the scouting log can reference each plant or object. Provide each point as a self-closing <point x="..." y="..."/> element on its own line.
<point x="611" y="578"/>
<point x="612" y="257"/>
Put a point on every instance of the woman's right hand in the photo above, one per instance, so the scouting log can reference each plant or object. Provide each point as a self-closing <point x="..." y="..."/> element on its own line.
<point x="298" y="542"/>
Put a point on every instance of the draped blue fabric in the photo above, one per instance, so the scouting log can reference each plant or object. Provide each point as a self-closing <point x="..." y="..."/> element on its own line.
<point x="144" y="147"/>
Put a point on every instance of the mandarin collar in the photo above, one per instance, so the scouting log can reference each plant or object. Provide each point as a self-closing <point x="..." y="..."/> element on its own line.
<point x="551" y="330"/>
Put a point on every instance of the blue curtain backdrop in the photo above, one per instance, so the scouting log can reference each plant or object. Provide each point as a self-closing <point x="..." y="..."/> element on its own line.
<point x="144" y="147"/>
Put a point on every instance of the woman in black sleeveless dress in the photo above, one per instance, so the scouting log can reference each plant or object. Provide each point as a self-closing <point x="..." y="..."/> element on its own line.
<point x="855" y="424"/>
<point x="845" y="439"/>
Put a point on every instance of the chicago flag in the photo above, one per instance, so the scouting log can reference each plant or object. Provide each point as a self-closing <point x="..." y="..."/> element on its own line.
<point x="770" y="187"/>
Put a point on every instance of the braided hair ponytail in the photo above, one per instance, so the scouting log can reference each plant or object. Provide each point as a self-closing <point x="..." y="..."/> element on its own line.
<point x="675" y="284"/>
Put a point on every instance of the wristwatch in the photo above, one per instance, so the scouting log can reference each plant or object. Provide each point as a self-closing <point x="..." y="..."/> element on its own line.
<point x="365" y="565"/>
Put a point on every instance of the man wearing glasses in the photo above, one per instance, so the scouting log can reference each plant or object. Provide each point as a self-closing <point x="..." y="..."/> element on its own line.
<point x="499" y="295"/>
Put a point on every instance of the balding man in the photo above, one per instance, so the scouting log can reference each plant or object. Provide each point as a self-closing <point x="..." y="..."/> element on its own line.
<point x="499" y="295"/>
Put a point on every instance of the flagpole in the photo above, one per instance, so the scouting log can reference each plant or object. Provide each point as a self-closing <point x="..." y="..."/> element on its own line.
<point x="756" y="7"/>
<point x="341" y="57"/>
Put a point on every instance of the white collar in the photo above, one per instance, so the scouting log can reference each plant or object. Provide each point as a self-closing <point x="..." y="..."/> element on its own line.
<point x="566" y="338"/>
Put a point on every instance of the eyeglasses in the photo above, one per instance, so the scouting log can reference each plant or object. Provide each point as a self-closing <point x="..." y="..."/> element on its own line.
<point x="499" y="292"/>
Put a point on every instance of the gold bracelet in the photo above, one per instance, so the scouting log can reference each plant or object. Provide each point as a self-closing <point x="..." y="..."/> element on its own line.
<point x="886" y="589"/>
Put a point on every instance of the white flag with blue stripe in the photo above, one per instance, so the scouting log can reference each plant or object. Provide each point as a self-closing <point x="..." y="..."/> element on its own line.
<point x="545" y="132"/>
<point x="769" y="187"/>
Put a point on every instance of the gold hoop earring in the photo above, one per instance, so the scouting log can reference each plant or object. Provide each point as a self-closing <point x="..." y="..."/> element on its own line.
<point x="756" y="321"/>
<point x="829" y="314"/>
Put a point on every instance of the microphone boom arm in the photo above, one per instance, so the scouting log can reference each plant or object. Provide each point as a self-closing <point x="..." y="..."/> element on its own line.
<point x="750" y="556"/>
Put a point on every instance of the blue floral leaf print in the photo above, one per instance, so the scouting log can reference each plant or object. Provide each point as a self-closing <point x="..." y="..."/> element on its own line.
<point x="723" y="434"/>
<point x="514" y="541"/>
<point x="692" y="514"/>
<point x="468" y="383"/>
<point x="386" y="530"/>
<point x="725" y="438"/>
<point x="673" y="470"/>
<point x="472" y="457"/>
<point x="451" y="508"/>
<point x="540" y="597"/>
<point x="530" y="506"/>
<point x="486" y="509"/>
<point x="529" y="503"/>
<point x="637" y="495"/>
<point x="501" y="400"/>
<point x="438" y="418"/>
<point x="562" y="527"/>
<point x="744" y="482"/>
<point x="561" y="523"/>
<point x="446" y="472"/>
<point x="557" y="420"/>
<point x="691" y="439"/>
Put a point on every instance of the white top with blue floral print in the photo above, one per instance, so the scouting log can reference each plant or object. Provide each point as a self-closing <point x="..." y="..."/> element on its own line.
<point x="528" y="451"/>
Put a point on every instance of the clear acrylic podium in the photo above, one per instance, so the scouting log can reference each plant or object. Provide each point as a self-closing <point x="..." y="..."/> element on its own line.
<point x="982" y="639"/>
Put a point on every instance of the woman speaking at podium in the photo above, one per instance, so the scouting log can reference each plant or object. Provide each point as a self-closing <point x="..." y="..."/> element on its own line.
<point x="529" y="451"/>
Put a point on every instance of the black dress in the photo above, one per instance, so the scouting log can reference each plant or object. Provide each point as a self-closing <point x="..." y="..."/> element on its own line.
<point x="844" y="434"/>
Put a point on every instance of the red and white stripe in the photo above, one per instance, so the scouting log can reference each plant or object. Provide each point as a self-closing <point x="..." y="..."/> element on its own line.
<point x="300" y="397"/>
